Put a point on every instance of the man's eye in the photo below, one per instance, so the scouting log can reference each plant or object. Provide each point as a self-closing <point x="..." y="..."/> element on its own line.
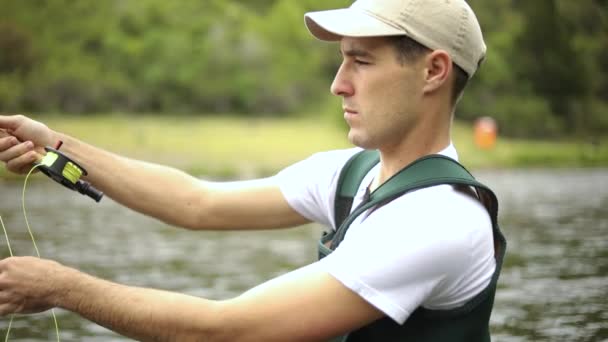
<point x="361" y="62"/>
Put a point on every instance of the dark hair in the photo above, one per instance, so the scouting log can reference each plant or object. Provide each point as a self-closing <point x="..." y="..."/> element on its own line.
<point x="409" y="50"/>
<point x="460" y="81"/>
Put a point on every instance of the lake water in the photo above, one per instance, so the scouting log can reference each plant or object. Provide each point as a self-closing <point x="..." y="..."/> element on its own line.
<point x="554" y="285"/>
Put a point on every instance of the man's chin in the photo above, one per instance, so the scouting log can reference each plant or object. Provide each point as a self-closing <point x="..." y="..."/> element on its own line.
<point x="359" y="141"/>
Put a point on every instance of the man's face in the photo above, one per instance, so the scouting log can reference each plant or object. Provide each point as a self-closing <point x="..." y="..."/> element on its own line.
<point x="381" y="96"/>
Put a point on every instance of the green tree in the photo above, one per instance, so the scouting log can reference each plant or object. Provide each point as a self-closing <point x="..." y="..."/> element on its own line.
<point x="546" y="72"/>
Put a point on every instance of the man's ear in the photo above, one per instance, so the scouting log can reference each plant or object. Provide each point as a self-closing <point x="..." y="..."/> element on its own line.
<point x="438" y="66"/>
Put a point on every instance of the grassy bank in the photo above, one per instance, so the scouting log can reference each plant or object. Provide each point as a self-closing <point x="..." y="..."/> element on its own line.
<point x="225" y="146"/>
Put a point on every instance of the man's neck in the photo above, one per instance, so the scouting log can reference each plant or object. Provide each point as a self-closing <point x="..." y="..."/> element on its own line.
<point x="419" y="143"/>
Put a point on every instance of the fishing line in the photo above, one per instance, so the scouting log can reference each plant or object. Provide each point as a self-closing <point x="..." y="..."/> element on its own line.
<point x="10" y="252"/>
<point x="29" y="230"/>
<point x="66" y="172"/>
<point x="8" y="243"/>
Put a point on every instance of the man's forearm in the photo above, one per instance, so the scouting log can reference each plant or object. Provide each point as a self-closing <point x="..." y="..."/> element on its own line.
<point x="159" y="191"/>
<point x="180" y="199"/>
<point x="141" y="314"/>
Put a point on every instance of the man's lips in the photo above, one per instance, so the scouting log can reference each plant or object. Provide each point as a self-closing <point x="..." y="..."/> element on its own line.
<point x="350" y="115"/>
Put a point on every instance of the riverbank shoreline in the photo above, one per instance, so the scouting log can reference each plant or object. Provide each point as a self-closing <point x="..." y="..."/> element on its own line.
<point x="243" y="147"/>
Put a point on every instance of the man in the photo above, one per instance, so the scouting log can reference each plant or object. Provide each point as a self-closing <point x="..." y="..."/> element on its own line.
<point x="429" y="251"/>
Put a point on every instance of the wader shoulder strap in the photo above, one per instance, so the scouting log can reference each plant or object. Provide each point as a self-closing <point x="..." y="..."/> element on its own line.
<point x="424" y="172"/>
<point x="351" y="176"/>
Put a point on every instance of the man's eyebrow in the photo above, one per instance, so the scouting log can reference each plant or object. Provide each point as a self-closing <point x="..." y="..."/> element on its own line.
<point x="355" y="52"/>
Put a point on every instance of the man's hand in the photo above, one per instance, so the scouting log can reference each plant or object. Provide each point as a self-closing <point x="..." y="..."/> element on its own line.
<point x="22" y="142"/>
<point x="29" y="284"/>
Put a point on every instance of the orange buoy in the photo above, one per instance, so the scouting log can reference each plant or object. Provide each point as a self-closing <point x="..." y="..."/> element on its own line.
<point x="485" y="130"/>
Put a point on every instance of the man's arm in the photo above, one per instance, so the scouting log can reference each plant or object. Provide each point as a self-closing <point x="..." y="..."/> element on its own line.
<point x="180" y="199"/>
<point x="304" y="305"/>
<point x="162" y="192"/>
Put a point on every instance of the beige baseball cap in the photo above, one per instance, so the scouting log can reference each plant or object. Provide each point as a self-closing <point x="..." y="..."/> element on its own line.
<point x="448" y="25"/>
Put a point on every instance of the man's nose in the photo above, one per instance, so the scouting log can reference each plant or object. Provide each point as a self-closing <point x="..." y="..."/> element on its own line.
<point x="342" y="86"/>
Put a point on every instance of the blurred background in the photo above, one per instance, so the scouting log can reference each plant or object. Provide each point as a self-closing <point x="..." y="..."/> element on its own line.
<point x="228" y="89"/>
<point x="546" y="74"/>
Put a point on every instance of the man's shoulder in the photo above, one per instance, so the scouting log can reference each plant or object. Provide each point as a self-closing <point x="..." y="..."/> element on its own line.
<point x="440" y="203"/>
<point x="322" y="164"/>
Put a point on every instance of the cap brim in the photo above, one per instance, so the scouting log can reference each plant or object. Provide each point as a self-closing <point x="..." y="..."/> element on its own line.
<point x="332" y="25"/>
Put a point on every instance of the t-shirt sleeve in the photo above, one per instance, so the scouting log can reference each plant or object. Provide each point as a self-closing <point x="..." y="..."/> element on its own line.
<point x="309" y="186"/>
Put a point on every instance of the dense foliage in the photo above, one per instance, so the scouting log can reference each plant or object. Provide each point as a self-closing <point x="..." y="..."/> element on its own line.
<point x="546" y="73"/>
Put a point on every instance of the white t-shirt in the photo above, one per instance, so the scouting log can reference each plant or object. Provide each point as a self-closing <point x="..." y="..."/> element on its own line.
<point x="431" y="247"/>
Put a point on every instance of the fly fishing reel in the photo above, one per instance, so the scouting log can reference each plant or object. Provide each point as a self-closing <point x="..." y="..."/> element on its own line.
<point x="67" y="172"/>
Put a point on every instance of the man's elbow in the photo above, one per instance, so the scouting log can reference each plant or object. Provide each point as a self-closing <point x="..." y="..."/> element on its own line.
<point x="215" y="326"/>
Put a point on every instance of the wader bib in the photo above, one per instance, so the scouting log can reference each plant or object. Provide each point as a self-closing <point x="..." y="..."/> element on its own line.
<point x="468" y="323"/>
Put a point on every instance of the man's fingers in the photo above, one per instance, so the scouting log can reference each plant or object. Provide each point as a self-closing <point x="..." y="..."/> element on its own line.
<point x="16" y="151"/>
<point x="19" y="157"/>
<point x="6" y="309"/>
<point x="10" y="303"/>
<point x="23" y="163"/>
<point x="7" y="142"/>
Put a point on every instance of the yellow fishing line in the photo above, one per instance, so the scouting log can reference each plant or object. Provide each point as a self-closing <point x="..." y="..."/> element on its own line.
<point x="29" y="230"/>
<point x="27" y="224"/>
<point x="8" y="243"/>
<point x="10" y="251"/>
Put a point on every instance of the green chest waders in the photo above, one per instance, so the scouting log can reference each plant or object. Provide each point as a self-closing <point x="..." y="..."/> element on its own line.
<point x="468" y="323"/>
